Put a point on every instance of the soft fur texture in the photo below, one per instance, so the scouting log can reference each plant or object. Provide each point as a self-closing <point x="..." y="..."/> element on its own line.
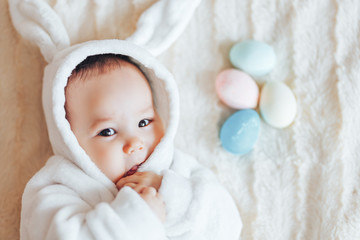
<point x="70" y="198"/>
<point x="301" y="182"/>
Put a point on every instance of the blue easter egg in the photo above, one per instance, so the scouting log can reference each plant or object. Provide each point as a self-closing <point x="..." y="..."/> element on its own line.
<point x="253" y="57"/>
<point x="240" y="131"/>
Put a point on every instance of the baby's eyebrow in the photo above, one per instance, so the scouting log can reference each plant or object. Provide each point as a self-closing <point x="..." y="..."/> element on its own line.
<point x="98" y="121"/>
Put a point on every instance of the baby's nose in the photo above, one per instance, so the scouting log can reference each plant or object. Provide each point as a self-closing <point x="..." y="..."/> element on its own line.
<point x="132" y="145"/>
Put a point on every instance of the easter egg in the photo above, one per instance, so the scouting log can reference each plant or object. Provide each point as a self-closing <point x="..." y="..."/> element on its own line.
<point x="237" y="89"/>
<point x="240" y="132"/>
<point x="277" y="104"/>
<point x="254" y="57"/>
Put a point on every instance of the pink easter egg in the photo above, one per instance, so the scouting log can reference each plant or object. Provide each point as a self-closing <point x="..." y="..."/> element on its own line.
<point x="237" y="89"/>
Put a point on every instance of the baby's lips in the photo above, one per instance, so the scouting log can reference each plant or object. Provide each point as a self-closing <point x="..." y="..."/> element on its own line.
<point x="132" y="170"/>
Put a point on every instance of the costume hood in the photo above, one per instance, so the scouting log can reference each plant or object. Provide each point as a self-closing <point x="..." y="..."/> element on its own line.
<point x="46" y="23"/>
<point x="56" y="75"/>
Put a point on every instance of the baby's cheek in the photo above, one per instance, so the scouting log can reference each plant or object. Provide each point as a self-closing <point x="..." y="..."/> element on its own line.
<point x="109" y="160"/>
<point x="157" y="134"/>
<point x="98" y="153"/>
<point x="103" y="151"/>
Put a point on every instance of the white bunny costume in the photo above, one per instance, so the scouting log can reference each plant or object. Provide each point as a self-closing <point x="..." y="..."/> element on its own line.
<point x="70" y="198"/>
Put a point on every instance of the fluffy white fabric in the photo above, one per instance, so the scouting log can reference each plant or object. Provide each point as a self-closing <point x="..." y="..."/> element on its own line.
<point x="70" y="198"/>
<point x="63" y="202"/>
<point x="298" y="183"/>
<point x="53" y="26"/>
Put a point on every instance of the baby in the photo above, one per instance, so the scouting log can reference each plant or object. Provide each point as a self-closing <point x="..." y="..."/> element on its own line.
<point x="110" y="109"/>
<point x="112" y="113"/>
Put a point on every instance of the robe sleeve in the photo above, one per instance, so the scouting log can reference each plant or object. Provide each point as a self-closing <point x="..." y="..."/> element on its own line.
<point x="198" y="206"/>
<point x="57" y="212"/>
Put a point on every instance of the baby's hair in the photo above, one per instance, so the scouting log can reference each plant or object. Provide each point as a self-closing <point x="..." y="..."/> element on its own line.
<point x="99" y="64"/>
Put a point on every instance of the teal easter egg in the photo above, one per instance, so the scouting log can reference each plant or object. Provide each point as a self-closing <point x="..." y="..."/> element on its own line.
<point x="253" y="57"/>
<point x="240" y="132"/>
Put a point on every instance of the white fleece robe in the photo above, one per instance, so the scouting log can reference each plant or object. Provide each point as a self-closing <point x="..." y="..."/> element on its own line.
<point x="70" y="198"/>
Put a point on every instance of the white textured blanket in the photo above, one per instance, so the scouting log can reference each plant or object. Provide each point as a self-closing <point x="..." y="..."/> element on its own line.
<point x="301" y="182"/>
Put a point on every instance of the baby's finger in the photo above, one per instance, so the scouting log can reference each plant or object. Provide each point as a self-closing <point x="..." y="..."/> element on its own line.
<point x="132" y="185"/>
<point x="130" y="179"/>
<point x="150" y="190"/>
<point x="139" y="188"/>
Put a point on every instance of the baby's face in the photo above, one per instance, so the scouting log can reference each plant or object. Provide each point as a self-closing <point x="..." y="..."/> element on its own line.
<point x="113" y="117"/>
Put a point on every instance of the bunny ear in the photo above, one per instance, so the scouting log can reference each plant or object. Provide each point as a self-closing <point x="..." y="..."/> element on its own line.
<point x="160" y="25"/>
<point x="157" y="28"/>
<point x="37" y="22"/>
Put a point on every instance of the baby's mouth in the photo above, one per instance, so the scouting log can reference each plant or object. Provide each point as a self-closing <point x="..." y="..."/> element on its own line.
<point x="132" y="171"/>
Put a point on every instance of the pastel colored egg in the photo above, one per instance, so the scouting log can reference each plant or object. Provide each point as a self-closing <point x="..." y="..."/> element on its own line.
<point x="240" y="132"/>
<point x="237" y="89"/>
<point x="277" y="104"/>
<point x="254" y="57"/>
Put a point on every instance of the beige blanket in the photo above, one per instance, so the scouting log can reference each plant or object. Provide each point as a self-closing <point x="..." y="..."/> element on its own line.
<point x="301" y="182"/>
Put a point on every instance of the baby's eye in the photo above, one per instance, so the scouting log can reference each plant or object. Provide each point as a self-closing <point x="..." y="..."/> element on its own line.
<point x="144" y="123"/>
<point x="107" y="132"/>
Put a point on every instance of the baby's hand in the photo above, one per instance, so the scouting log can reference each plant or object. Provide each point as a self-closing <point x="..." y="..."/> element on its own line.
<point x="147" y="179"/>
<point x="147" y="185"/>
<point x="153" y="199"/>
